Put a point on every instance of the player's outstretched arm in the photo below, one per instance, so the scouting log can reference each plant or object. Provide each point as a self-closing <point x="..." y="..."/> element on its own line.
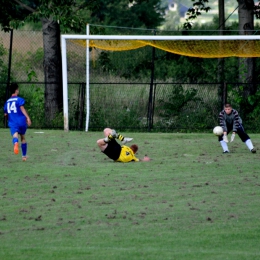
<point x="28" y="119"/>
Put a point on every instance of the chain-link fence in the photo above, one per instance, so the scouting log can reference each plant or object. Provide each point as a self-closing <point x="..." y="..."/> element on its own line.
<point x="128" y="90"/>
<point x="171" y="106"/>
<point x="126" y="106"/>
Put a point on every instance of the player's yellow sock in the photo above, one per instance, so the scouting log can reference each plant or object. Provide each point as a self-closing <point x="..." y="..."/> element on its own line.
<point x="120" y="137"/>
<point x="108" y="138"/>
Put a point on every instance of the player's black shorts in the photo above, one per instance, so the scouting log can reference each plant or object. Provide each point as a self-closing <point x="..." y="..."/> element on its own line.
<point x="240" y="131"/>
<point x="113" y="150"/>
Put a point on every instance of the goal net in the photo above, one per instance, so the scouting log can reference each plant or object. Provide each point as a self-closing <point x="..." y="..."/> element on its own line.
<point x="192" y="46"/>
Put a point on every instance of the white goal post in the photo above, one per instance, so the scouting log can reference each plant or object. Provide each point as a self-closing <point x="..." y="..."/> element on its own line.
<point x="87" y="37"/>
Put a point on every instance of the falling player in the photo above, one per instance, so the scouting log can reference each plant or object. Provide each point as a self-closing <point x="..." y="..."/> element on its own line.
<point x="110" y="147"/>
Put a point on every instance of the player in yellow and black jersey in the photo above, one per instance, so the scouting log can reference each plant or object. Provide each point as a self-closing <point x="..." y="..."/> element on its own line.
<point x="127" y="154"/>
<point x="115" y="151"/>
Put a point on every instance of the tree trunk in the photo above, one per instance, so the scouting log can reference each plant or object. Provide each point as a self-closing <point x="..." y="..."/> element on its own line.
<point x="246" y="27"/>
<point x="246" y="65"/>
<point x="52" y="69"/>
<point x="221" y="61"/>
<point x="221" y="11"/>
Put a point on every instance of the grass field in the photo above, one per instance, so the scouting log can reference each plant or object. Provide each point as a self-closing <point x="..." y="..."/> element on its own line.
<point x="68" y="201"/>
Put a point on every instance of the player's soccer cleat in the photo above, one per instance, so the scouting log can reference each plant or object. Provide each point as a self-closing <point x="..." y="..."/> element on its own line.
<point x="16" y="148"/>
<point x="226" y="152"/>
<point x="253" y="150"/>
<point x="127" y="140"/>
<point x="24" y="158"/>
<point x="114" y="135"/>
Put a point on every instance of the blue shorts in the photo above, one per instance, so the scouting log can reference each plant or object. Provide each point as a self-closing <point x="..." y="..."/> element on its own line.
<point x="20" y="129"/>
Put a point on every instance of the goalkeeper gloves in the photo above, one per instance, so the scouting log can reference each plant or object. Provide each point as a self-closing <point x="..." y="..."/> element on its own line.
<point x="232" y="137"/>
<point x="225" y="138"/>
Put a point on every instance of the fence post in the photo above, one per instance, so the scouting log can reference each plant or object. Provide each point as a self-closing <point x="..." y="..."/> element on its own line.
<point x="224" y="94"/>
<point x="150" y="102"/>
<point x="82" y="87"/>
<point x="154" y="92"/>
<point x="9" y="70"/>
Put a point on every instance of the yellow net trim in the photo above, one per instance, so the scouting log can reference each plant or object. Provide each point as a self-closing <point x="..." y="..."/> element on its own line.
<point x="192" y="48"/>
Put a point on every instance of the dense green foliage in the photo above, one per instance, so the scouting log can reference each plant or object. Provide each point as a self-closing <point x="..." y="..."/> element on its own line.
<point x="11" y="14"/>
<point x="3" y="74"/>
<point x="3" y="67"/>
<point x="73" y="16"/>
<point x="145" y="14"/>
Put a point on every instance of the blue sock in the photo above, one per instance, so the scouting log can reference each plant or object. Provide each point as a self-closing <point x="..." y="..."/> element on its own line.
<point x="24" y="149"/>
<point x="15" y="140"/>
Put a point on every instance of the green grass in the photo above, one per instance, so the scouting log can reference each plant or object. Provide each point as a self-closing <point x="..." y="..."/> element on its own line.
<point x="68" y="201"/>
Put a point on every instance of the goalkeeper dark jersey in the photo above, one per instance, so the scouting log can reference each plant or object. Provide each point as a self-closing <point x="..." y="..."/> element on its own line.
<point x="230" y="122"/>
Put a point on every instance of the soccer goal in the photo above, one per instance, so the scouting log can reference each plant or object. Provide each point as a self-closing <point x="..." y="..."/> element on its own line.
<point x="194" y="46"/>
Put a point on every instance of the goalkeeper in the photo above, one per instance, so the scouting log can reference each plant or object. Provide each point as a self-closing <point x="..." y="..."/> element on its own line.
<point x="230" y="120"/>
<point x="110" y="147"/>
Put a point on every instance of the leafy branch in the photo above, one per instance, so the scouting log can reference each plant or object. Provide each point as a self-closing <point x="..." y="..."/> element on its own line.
<point x="194" y="12"/>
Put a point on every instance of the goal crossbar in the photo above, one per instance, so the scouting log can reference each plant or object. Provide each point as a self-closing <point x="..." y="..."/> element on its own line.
<point x="161" y="37"/>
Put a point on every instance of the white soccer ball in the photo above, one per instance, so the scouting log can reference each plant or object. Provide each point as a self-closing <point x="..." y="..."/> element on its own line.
<point x="218" y="130"/>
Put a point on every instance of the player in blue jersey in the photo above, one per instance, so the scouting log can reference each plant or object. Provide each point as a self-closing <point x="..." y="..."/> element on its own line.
<point x="18" y="119"/>
<point x="110" y="147"/>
